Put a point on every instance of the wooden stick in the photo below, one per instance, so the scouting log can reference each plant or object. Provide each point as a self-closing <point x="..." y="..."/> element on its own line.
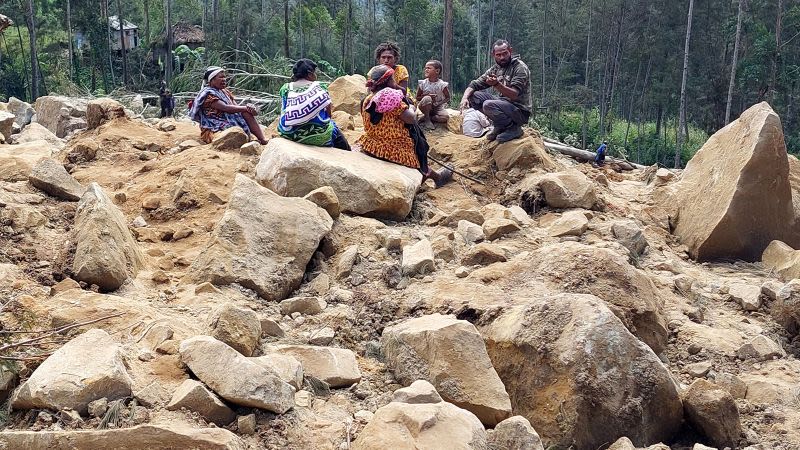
<point x="454" y="170"/>
<point x="38" y="339"/>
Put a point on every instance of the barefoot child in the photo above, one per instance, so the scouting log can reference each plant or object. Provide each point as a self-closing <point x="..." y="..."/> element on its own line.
<point x="433" y="95"/>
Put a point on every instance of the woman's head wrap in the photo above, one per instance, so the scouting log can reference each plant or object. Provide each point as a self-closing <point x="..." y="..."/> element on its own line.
<point x="211" y="72"/>
<point x="379" y="75"/>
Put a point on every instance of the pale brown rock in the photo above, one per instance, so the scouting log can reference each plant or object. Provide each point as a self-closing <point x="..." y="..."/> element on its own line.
<point x="325" y="198"/>
<point x="568" y="189"/>
<point x="419" y="391"/>
<point x="571" y="223"/>
<point x="347" y="93"/>
<point x="194" y="396"/>
<point x="102" y="110"/>
<point x="713" y="411"/>
<point x="17" y="161"/>
<point x="418" y="258"/>
<point x="253" y="246"/>
<point x="526" y="153"/>
<point x="236" y="326"/>
<point x="483" y="254"/>
<point x="782" y="259"/>
<point x="514" y="433"/>
<point x="231" y="139"/>
<point x="450" y="354"/>
<point x="51" y="177"/>
<point x="303" y="305"/>
<point x="335" y="366"/>
<point x="739" y="174"/>
<point x="287" y="367"/>
<point x="61" y="115"/>
<point x="575" y="352"/>
<point x="497" y="228"/>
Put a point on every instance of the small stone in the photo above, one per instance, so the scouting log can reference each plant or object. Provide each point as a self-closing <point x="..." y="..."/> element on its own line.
<point x="183" y="233"/>
<point x="302" y="305"/>
<point x="250" y="149"/>
<point x="139" y="222"/>
<point x="64" y="285"/>
<point x="303" y="399"/>
<point x="120" y="198"/>
<point x="462" y="272"/>
<point x="694" y="348"/>
<point x="322" y="337"/>
<point x="325" y="198"/>
<point x="732" y="384"/>
<point x="168" y="347"/>
<point x="346" y="262"/>
<point x="483" y="254"/>
<point x="247" y="424"/>
<point x="390" y="239"/>
<point x="419" y="391"/>
<point x="771" y="288"/>
<point x="70" y="417"/>
<point x="495" y="228"/>
<point x="98" y="407"/>
<point x="571" y="223"/>
<point x="418" y="258"/>
<point x="363" y="416"/>
<point x="146" y="355"/>
<point x="471" y="232"/>
<point x="195" y="396"/>
<point x="700" y="369"/>
<point x="206" y="288"/>
<point x="151" y="203"/>
<point x="299" y="320"/>
<point x="159" y="276"/>
<point x="320" y="285"/>
<point x="748" y="296"/>
<point x="271" y="328"/>
<point x="760" y="348"/>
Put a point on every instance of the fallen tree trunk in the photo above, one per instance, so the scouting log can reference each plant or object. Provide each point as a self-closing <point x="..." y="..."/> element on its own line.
<point x="585" y="155"/>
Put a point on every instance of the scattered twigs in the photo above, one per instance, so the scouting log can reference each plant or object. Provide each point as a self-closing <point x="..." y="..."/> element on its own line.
<point x="45" y="335"/>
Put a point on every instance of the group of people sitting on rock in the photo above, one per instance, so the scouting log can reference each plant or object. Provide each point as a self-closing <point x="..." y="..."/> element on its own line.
<point x="391" y="129"/>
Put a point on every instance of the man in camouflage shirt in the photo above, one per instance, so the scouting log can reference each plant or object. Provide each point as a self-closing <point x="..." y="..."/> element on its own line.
<point x="510" y="78"/>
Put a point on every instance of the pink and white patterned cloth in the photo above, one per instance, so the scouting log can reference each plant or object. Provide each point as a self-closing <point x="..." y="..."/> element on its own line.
<point x="387" y="99"/>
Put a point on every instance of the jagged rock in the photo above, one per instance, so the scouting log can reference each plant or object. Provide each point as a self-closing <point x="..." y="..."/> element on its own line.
<point x="17" y="161"/>
<point x="404" y="426"/>
<point x="419" y="391"/>
<point x="497" y="228"/>
<point x="519" y="215"/>
<point x="323" y="336"/>
<point x="231" y="139"/>
<point x="347" y="93"/>
<point x="418" y="258"/>
<point x="287" y="367"/>
<point x="23" y="111"/>
<point x="325" y="198"/>
<point x="663" y="176"/>
<point x="234" y="377"/>
<point x="432" y="348"/>
<point x="628" y="233"/>
<point x="514" y="433"/>
<point x="343" y="120"/>
<point x="87" y="368"/>
<point x="483" y="254"/>
<point x="740" y="173"/>
<point x="246" y="424"/>
<point x="733" y="384"/>
<point x="568" y="189"/>
<point x="575" y="353"/>
<point x="141" y="437"/>
<point x="194" y="396"/>
<point x="253" y="245"/>
<point x="270" y="327"/>
<point x="236" y="326"/>
<point x="470" y="215"/>
<point x="629" y="292"/>
<point x="526" y="153"/>
<point x="748" y="296"/>
<point x="390" y="239"/>
<point x="713" y="412"/>
<point x="443" y="248"/>
<point x="102" y="110"/>
<point x="303" y="305"/>
<point x="61" y="115"/>
<point x="335" y="366"/>
<point x="6" y="124"/>
<point x="571" y="223"/>
<point x="364" y="185"/>
<point x="760" y="348"/>
<point x="36" y="132"/>
<point x="349" y="257"/>
<point x="471" y="232"/>
<point x="786" y="308"/>
<point x="106" y="253"/>
<point x="782" y="259"/>
<point x="51" y="177"/>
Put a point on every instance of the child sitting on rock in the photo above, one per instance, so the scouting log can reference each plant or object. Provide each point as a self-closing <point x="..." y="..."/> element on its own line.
<point x="433" y="95"/>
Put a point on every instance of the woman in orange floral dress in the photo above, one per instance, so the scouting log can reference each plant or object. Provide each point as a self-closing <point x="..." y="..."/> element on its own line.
<point x="391" y="131"/>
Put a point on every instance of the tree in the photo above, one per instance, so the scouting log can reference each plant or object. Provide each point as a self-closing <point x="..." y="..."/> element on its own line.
<point x="682" y="112"/>
<point x="169" y="38"/>
<point x="30" y="19"/>
<point x="123" y="47"/>
<point x="69" y="38"/>
<point x="734" y="62"/>
<point x="447" y="41"/>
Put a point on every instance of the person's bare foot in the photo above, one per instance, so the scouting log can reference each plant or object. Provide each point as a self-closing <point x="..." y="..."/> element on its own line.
<point x="429" y="125"/>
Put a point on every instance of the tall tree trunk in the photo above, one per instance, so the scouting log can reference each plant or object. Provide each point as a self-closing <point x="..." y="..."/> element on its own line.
<point x="447" y="41"/>
<point x="30" y="20"/>
<point x="777" y="55"/>
<point x="104" y="5"/>
<point x="238" y="34"/>
<point x="732" y="82"/>
<point x="682" y="112"/>
<point x="478" y="4"/>
<point x="123" y="46"/>
<point x="586" y="76"/>
<point x="146" y="6"/>
<point x="69" y="37"/>
<point x="285" y="28"/>
<point x="216" y="26"/>
<point x="168" y="32"/>
<point x="544" y="22"/>
<point x="300" y="28"/>
<point x="490" y="38"/>
<point x="22" y="51"/>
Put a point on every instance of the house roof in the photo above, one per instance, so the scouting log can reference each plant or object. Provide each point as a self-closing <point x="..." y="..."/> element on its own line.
<point x="183" y="33"/>
<point x="113" y="22"/>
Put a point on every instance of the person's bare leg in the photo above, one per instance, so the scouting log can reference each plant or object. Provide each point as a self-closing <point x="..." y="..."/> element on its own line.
<point x="426" y="105"/>
<point x="255" y="128"/>
<point x="440" y="117"/>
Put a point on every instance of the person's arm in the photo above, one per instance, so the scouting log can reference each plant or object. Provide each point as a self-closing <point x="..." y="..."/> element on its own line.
<point x="519" y="79"/>
<point x="510" y="93"/>
<point x="404" y="86"/>
<point x="446" y="92"/>
<point x="408" y="116"/>
<point x="478" y="84"/>
<point x="420" y="94"/>
<point x="233" y="109"/>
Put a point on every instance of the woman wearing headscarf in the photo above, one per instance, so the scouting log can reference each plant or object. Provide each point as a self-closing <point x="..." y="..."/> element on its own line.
<point x="391" y="131"/>
<point x="306" y="110"/>
<point x="388" y="54"/>
<point x="215" y="109"/>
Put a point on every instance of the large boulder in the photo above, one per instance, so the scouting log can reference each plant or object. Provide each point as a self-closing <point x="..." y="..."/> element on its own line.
<point x="36" y="132"/>
<point x="87" y="368"/>
<point x="155" y="437"/>
<point x="106" y="253"/>
<point x="524" y="154"/>
<point x="16" y="161"/>
<point x="23" y="111"/>
<point x="263" y="241"/>
<point x="51" y="177"/>
<point x="412" y="426"/>
<point x="734" y="196"/>
<point x="61" y="115"/>
<point x="782" y="259"/>
<point x="6" y="124"/>
<point x="628" y="291"/>
<point x="568" y="189"/>
<point x="101" y="110"/>
<point x="450" y="354"/>
<point x="234" y="377"/>
<point x="514" y="433"/>
<point x="573" y="369"/>
<point x="336" y="366"/>
<point x="347" y="93"/>
<point x="364" y="185"/>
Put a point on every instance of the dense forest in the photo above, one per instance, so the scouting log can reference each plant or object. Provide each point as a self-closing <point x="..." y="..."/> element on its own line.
<point x="649" y="76"/>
